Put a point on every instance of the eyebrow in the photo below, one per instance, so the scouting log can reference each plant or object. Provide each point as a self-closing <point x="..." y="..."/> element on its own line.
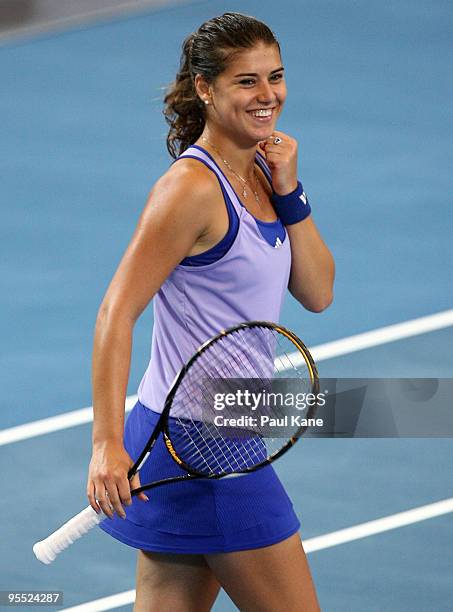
<point x="255" y="74"/>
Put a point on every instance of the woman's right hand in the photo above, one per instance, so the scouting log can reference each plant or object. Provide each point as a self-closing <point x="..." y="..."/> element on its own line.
<point x="108" y="487"/>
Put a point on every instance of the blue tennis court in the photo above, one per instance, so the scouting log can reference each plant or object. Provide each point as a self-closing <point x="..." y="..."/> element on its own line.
<point x="84" y="141"/>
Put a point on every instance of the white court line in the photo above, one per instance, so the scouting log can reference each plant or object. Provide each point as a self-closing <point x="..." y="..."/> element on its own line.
<point x="106" y="603"/>
<point x="386" y="523"/>
<point x="321" y="352"/>
<point x="55" y="423"/>
<point x="383" y="335"/>
<point x="328" y="540"/>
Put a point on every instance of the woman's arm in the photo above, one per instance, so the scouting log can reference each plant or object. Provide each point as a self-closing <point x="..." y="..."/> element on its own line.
<point x="174" y="218"/>
<point x="312" y="266"/>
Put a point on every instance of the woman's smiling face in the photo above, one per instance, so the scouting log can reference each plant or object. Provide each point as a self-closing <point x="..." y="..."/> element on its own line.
<point x="248" y="96"/>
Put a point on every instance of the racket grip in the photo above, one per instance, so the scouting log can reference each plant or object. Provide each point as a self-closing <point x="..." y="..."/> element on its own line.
<point x="47" y="550"/>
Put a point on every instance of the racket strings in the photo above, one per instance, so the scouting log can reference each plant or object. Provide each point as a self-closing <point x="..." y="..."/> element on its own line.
<point x="239" y="364"/>
<point x="248" y="448"/>
<point x="198" y="434"/>
<point x="203" y="451"/>
<point x="248" y="359"/>
<point x="222" y="452"/>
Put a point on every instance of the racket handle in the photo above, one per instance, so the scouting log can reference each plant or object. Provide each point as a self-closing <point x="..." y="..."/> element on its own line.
<point x="47" y="550"/>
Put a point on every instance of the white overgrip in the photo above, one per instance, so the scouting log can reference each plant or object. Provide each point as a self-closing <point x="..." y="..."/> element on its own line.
<point x="47" y="550"/>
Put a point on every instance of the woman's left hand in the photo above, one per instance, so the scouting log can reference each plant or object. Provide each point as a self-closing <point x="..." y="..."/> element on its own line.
<point x="282" y="161"/>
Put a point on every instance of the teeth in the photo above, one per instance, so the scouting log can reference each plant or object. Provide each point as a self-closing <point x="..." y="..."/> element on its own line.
<point x="262" y="113"/>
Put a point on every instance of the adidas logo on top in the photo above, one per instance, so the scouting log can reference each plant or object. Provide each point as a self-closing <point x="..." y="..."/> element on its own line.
<point x="278" y="243"/>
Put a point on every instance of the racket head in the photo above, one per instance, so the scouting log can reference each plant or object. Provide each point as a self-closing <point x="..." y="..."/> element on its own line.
<point x="228" y="347"/>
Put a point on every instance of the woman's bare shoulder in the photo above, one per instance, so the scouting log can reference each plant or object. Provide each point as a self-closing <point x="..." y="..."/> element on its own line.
<point x="187" y="190"/>
<point x="188" y="174"/>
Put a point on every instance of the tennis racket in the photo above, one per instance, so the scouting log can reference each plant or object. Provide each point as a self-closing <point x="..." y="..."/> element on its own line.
<point x="208" y="427"/>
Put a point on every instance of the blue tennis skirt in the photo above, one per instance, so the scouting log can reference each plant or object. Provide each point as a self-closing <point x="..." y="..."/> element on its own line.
<point x="199" y="516"/>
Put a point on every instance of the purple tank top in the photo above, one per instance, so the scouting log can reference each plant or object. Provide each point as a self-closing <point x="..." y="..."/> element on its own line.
<point x="195" y="303"/>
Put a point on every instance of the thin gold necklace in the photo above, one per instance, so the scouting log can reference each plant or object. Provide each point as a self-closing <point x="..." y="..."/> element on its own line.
<point x="245" y="181"/>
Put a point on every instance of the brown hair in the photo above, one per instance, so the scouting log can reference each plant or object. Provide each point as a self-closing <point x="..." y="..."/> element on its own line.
<point x="206" y="52"/>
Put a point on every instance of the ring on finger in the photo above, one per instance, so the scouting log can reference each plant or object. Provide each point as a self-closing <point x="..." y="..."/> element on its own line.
<point x="277" y="140"/>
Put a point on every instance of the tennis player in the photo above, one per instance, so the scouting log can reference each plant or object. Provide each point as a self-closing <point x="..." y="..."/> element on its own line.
<point x="226" y="230"/>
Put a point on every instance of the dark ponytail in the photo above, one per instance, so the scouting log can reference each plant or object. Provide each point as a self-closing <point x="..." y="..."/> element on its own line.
<point x="206" y="52"/>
